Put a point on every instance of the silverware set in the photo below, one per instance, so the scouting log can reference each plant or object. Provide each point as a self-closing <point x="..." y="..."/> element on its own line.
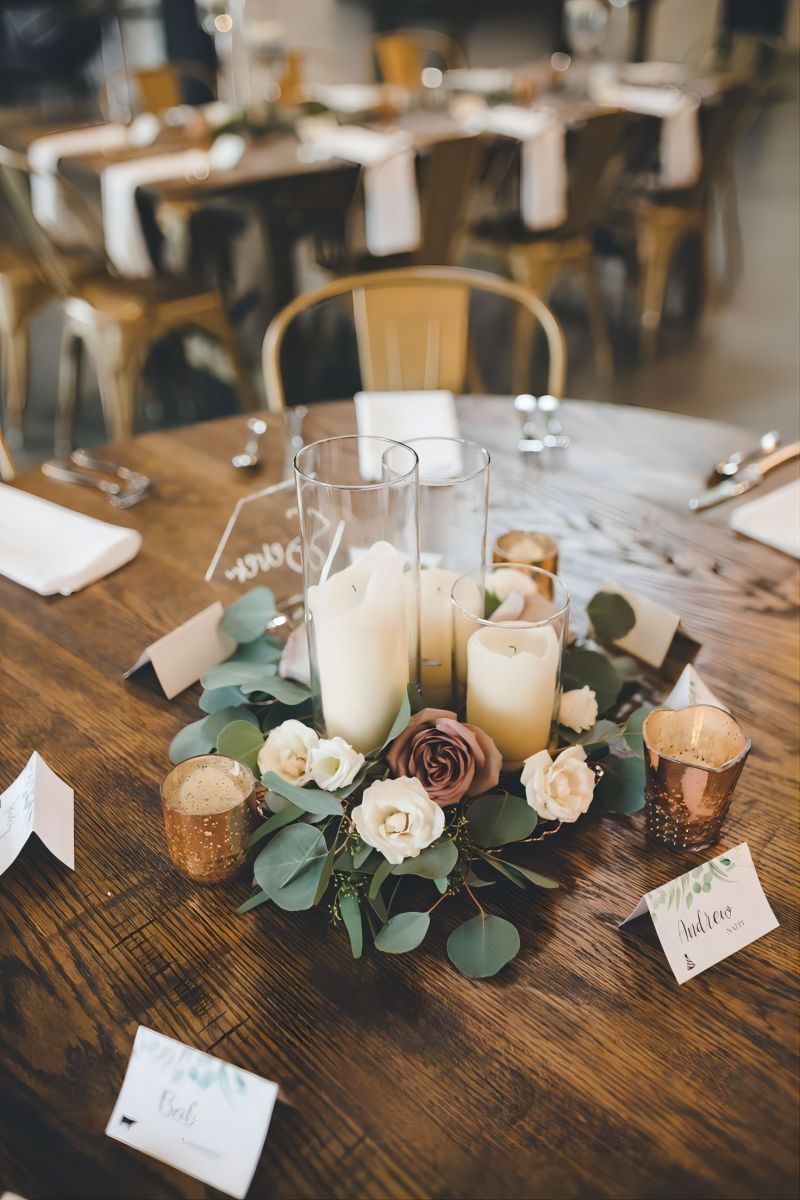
<point x="741" y="472"/>
<point x="124" y="489"/>
<point x="541" y="424"/>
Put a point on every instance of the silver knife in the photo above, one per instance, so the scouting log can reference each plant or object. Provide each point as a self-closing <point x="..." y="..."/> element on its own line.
<point x="744" y="479"/>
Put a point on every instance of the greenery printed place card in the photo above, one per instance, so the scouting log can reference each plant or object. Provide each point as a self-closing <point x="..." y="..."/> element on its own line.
<point x="193" y="1111"/>
<point x="709" y="912"/>
<point x="39" y="802"/>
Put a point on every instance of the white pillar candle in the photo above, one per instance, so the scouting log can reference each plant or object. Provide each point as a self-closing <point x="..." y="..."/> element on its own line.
<point x="436" y="635"/>
<point x="511" y="687"/>
<point x="359" y="625"/>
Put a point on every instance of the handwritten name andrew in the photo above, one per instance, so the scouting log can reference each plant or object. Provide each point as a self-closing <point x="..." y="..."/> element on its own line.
<point x="706" y="922"/>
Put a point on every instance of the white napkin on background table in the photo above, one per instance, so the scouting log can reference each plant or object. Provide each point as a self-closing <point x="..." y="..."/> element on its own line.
<point x="51" y="549"/>
<point x="403" y="416"/>
<point x="680" y="152"/>
<point x="391" y="201"/>
<point x="543" y="174"/>
<point x="773" y="519"/>
<point x="44" y="155"/>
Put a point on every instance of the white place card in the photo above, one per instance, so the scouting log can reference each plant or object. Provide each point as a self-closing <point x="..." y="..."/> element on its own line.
<point x="404" y="416"/>
<point x="654" y="631"/>
<point x="41" y="803"/>
<point x="692" y="689"/>
<point x="709" y="912"/>
<point x="182" y="657"/>
<point x="193" y="1111"/>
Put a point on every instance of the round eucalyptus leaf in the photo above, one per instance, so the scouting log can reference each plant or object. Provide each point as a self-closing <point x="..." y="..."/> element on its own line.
<point x="581" y="667"/>
<point x="242" y="741"/>
<point x="249" y="676"/>
<point x="351" y="915"/>
<point x="214" y="699"/>
<point x="434" y="863"/>
<point x="499" y="818"/>
<point x="482" y="947"/>
<point x="403" y="933"/>
<point x="621" y="790"/>
<point x="262" y="650"/>
<point x="310" y="799"/>
<point x="201" y="736"/>
<point x="248" y="617"/>
<point x="292" y="852"/>
<point x="611" y="616"/>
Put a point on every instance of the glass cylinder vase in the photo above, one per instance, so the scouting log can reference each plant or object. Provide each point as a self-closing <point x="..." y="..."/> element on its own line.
<point x="357" y="500"/>
<point x="509" y="639"/>
<point x="453" y="514"/>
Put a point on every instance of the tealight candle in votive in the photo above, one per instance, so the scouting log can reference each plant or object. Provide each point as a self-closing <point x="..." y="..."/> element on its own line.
<point x="208" y="816"/>
<point x="533" y="549"/>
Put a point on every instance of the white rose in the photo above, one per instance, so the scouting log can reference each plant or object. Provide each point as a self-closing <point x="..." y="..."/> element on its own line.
<point x="560" y="790"/>
<point x="398" y="818"/>
<point x="286" y="751"/>
<point x="506" y="579"/>
<point x="578" y="709"/>
<point x="334" y="763"/>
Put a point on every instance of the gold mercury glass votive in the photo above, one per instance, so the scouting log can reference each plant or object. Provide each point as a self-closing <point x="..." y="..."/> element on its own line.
<point x="208" y="805"/>
<point x="693" y="759"/>
<point x="522" y="546"/>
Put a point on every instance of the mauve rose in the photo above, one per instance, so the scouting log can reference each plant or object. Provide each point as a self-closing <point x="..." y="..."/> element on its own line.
<point x="450" y="759"/>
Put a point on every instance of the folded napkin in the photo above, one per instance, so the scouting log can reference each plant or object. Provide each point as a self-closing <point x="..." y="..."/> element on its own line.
<point x="44" y="155"/>
<point x="680" y="128"/>
<point x="543" y="175"/>
<point x="404" y="416"/>
<point x="51" y="549"/>
<point x="653" y="73"/>
<point x="483" y="81"/>
<point x="773" y="519"/>
<point x="125" y="242"/>
<point x="347" y="97"/>
<point x="391" y="202"/>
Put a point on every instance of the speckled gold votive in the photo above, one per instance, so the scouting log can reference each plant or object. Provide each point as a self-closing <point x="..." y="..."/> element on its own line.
<point x="693" y="759"/>
<point x="208" y="816"/>
<point x="522" y="546"/>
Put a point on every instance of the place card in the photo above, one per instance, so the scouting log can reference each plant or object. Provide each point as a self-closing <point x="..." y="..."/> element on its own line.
<point x="182" y="657"/>
<point x="193" y="1111"/>
<point x="656" y="638"/>
<point x="41" y="803"/>
<point x="708" y="913"/>
<point x="692" y="689"/>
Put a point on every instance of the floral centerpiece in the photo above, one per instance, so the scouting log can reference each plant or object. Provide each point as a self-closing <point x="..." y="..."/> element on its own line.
<point x="428" y="817"/>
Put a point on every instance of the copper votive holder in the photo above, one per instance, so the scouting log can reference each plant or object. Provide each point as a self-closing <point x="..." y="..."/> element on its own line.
<point x="208" y="807"/>
<point x="693" y="759"/>
<point x="523" y="546"/>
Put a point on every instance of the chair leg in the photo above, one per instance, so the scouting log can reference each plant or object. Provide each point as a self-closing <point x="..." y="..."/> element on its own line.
<point x="117" y="376"/>
<point x="603" y="354"/>
<point x="69" y="368"/>
<point x="655" y="248"/>
<point x="7" y="469"/>
<point x="15" y="383"/>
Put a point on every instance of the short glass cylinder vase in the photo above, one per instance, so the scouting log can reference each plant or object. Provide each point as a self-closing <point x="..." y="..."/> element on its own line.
<point x="357" y="500"/>
<point x="509" y="639"/>
<point x="453" y="514"/>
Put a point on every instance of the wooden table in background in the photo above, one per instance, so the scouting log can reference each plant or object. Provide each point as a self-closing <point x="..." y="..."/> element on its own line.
<point x="581" y="1070"/>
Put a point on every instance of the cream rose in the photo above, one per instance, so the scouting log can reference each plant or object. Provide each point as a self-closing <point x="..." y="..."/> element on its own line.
<point x="398" y="818"/>
<point x="578" y="709"/>
<point x="559" y="790"/>
<point x="334" y="764"/>
<point x="287" y="750"/>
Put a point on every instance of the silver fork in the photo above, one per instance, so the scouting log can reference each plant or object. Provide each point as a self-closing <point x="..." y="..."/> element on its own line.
<point x="136" y="481"/>
<point x="118" y="496"/>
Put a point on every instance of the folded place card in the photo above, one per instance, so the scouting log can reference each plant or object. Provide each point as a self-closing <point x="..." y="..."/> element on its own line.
<point x="656" y="638"/>
<point x="41" y="803"/>
<point x="692" y="689"/>
<point x="773" y="519"/>
<point x="180" y="658"/>
<point x="193" y="1111"/>
<point x="709" y="913"/>
<point x="404" y="416"/>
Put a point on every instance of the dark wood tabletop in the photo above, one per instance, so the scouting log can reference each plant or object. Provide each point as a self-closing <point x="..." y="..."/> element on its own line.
<point x="582" y="1070"/>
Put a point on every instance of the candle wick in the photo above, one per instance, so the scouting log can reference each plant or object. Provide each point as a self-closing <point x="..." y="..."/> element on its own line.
<point x="514" y="648"/>
<point x="355" y="589"/>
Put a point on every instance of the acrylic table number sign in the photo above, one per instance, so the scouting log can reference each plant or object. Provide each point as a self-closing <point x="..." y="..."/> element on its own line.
<point x="708" y="913"/>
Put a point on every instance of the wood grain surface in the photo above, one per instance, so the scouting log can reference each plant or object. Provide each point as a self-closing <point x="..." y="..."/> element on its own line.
<point x="582" y="1070"/>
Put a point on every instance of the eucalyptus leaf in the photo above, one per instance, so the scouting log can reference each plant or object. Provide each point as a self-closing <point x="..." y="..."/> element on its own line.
<point x="633" y="728"/>
<point x="504" y="869"/>
<point x="262" y="650"/>
<point x="201" y="736"/>
<point x="248" y="617"/>
<point x="285" y="690"/>
<point x="215" y="699"/>
<point x="482" y="947"/>
<point x="611" y="616"/>
<point x="325" y="873"/>
<point x="300" y="892"/>
<point x="289" y="854"/>
<point x="310" y="799"/>
<point x="601" y="734"/>
<point x="432" y="863"/>
<point x="403" y="933"/>
<point x="621" y="790"/>
<point x="498" y="818"/>
<point x="441" y="885"/>
<point x="242" y="741"/>
<point x="379" y="908"/>
<point x="361" y="855"/>
<point x="260" y="897"/>
<point x="378" y="879"/>
<point x="249" y="676"/>
<point x="581" y="667"/>
<point x="398" y="725"/>
<point x="351" y="915"/>
<point x="275" y="822"/>
<point x="542" y="881"/>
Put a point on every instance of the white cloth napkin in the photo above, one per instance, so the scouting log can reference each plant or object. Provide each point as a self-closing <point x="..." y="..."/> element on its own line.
<point x="680" y="152"/>
<point x="543" y="174"/>
<point x="404" y="416"/>
<point x="51" y="549"/>
<point x="347" y="97"/>
<point x="773" y="519"/>
<point x="391" y="201"/>
<point x="44" y="155"/>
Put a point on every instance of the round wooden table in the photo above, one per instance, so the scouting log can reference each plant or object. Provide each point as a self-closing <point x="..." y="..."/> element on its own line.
<point x="582" y="1069"/>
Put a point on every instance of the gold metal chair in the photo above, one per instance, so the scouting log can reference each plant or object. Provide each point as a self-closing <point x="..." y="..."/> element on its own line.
<point x="404" y="53"/>
<point x="23" y="291"/>
<point x="540" y="259"/>
<point x="127" y="92"/>
<point x="116" y="320"/>
<point x="412" y="328"/>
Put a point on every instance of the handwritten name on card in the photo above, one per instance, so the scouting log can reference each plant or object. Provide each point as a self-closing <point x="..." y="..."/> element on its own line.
<point x="193" y="1111"/>
<point x="708" y="913"/>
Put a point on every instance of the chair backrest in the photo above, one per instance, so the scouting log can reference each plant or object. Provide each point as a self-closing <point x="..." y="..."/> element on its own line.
<point x="404" y="53"/>
<point x="412" y="328"/>
<point x="448" y="172"/>
<point x="591" y="150"/>
<point x="124" y="93"/>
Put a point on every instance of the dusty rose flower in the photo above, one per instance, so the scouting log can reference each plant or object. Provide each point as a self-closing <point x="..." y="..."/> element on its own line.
<point x="450" y="759"/>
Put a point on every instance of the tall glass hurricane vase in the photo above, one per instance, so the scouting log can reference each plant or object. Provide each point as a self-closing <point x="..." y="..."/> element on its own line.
<point x="357" y="498"/>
